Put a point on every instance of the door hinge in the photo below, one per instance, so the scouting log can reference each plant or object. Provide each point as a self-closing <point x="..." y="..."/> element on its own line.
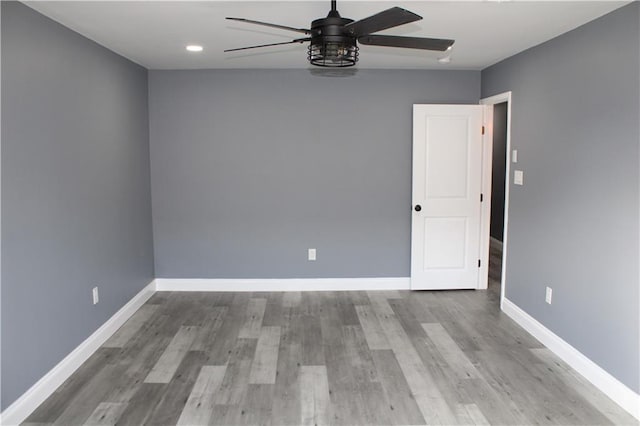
<point x="483" y="130"/>
<point x="479" y="263"/>
<point x="481" y="197"/>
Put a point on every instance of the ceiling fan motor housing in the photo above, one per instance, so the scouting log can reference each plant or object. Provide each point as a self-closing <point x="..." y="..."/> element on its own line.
<point x="331" y="44"/>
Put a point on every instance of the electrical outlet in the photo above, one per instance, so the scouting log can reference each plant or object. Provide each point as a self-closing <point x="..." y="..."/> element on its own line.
<point x="312" y="254"/>
<point x="548" y="295"/>
<point x="96" y="296"/>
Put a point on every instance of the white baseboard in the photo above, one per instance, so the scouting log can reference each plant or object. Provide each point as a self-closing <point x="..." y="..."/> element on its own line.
<point x="609" y="385"/>
<point x="17" y="412"/>
<point x="286" y="284"/>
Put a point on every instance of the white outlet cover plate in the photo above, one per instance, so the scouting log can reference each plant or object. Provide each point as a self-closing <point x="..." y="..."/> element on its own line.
<point x="312" y="254"/>
<point x="514" y="156"/>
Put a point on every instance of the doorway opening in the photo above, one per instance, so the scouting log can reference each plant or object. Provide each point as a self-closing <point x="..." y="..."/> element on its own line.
<point x="500" y="178"/>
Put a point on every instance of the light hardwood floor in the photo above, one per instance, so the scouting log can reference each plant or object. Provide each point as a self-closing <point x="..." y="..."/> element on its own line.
<point x="316" y="358"/>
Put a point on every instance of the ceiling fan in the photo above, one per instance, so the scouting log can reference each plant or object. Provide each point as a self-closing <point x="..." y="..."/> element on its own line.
<point x="334" y="39"/>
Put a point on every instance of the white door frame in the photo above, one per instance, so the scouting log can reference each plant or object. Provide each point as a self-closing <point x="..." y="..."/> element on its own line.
<point x="493" y="100"/>
<point x="485" y="206"/>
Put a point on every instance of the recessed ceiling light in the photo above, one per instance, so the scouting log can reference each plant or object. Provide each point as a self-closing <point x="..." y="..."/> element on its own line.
<point x="194" y="48"/>
<point x="444" y="60"/>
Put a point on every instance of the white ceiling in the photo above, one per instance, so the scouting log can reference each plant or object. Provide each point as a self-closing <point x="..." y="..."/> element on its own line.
<point x="154" y="33"/>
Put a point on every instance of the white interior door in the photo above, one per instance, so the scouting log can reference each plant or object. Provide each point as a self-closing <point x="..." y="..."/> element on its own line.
<point x="447" y="183"/>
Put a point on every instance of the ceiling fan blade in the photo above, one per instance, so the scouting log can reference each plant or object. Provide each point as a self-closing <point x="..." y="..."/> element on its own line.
<point x="381" y="21"/>
<point x="437" y="44"/>
<point x="298" y="40"/>
<point x="267" y="24"/>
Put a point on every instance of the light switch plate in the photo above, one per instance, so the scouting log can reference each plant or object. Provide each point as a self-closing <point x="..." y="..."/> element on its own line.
<point x="518" y="177"/>
<point x="514" y="156"/>
<point x="312" y="254"/>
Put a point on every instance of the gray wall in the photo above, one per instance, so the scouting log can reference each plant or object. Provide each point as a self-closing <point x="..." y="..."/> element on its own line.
<point x="76" y="208"/>
<point x="498" y="170"/>
<point x="574" y="224"/>
<point x="250" y="168"/>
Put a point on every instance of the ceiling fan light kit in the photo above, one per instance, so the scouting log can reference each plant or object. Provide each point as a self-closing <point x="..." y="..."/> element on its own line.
<point x="333" y="53"/>
<point x="334" y="40"/>
<point x="331" y="45"/>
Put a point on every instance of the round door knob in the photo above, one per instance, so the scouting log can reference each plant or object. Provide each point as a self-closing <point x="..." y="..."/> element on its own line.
<point x="418" y="207"/>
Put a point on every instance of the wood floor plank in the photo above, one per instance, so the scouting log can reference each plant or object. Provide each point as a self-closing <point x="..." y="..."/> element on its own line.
<point x="573" y="379"/>
<point x="402" y="404"/>
<point x="312" y="351"/>
<point x="314" y="396"/>
<point x="375" y="409"/>
<point x="153" y="337"/>
<point x="575" y="409"/>
<point x="256" y="407"/>
<point x="291" y="299"/>
<point x="253" y="319"/>
<point x="213" y="318"/>
<point x="139" y="356"/>
<point x="221" y="346"/>
<point x="92" y="394"/>
<point x="528" y="372"/>
<point x="504" y="394"/>
<point x="286" y="397"/>
<point x="225" y="415"/>
<point x="386" y="294"/>
<point x="379" y="303"/>
<point x="347" y="407"/>
<point x="106" y="414"/>
<point x="200" y="404"/>
<point x="376" y="339"/>
<point x="441" y="372"/>
<point x="346" y="309"/>
<point x="273" y="312"/>
<point x="265" y="362"/>
<point x="365" y="375"/>
<point x="357" y="298"/>
<point x="131" y="327"/>
<point x="500" y="410"/>
<point x="236" y="379"/>
<point x="164" y="369"/>
<point x="450" y="351"/>
<point x="57" y="403"/>
<point x="176" y="392"/>
<point x="358" y="354"/>
<point x="142" y="404"/>
<point x="432" y="405"/>
<point x="286" y="392"/>
<point x="475" y="415"/>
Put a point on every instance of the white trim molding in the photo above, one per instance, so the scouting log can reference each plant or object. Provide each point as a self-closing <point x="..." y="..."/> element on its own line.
<point x="485" y="193"/>
<point x="285" y="284"/>
<point x="609" y="385"/>
<point x="493" y="100"/>
<point x="17" y="412"/>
